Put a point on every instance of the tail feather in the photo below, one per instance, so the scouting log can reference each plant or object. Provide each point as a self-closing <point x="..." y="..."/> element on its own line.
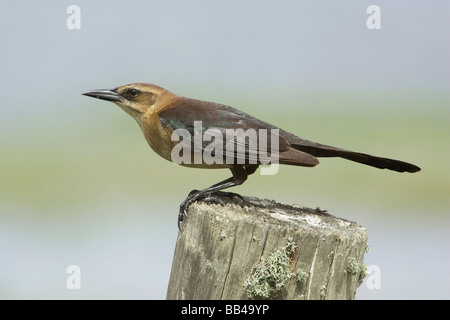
<point x="320" y="150"/>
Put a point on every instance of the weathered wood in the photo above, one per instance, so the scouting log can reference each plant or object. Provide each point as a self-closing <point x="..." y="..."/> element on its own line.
<point x="266" y="250"/>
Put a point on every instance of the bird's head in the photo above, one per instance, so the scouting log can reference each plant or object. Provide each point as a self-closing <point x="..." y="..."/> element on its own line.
<point x="135" y="99"/>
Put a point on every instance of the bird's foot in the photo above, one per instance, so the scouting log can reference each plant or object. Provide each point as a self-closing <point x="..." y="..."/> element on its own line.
<point x="320" y="211"/>
<point x="218" y="197"/>
<point x="193" y="196"/>
<point x="183" y="211"/>
<point x="193" y="192"/>
<point x="213" y="198"/>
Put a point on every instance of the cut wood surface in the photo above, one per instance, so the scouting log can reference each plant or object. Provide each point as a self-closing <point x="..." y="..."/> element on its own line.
<point x="260" y="249"/>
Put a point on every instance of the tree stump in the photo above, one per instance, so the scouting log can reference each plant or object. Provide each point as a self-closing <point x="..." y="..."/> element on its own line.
<point x="261" y="249"/>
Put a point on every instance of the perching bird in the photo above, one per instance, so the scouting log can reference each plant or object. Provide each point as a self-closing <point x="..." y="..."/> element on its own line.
<point x="204" y="129"/>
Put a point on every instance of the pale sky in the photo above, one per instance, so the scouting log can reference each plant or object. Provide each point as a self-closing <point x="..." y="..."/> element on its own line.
<point x="240" y="45"/>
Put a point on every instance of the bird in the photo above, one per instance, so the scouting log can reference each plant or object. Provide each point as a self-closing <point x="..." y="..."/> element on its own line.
<point x="175" y="125"/>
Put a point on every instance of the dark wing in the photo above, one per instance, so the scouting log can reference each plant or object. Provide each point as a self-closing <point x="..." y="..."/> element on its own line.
<point x="242" y="137"/>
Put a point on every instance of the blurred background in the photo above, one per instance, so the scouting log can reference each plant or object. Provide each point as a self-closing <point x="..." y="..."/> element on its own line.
<point x="80" y="186"/>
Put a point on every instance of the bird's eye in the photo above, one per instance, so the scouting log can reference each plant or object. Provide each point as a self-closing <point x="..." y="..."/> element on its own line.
<point x="133" y="93"/>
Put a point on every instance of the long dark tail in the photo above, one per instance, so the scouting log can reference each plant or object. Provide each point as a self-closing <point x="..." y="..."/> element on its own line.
<point x="320" y="150"/>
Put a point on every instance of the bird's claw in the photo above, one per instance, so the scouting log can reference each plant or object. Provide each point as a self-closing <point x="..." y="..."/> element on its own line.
<point x="183" y="212"/>
<point x="184" y="206"/>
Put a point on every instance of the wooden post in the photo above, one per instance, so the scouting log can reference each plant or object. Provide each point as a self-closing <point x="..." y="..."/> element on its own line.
<point x="266" y="250"/>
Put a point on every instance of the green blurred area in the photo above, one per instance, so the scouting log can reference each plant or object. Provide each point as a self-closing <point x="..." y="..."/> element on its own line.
<point x="97" y="153"/>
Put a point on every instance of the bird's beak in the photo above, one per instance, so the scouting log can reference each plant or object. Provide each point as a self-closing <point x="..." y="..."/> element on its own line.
<point x="104" y="94"/>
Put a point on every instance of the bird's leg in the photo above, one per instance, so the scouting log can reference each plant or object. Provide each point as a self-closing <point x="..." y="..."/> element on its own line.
<point x="218" y="200"/>
<point x="199" y="194"/>
<point x="240" y="174"/>
<point x="249" y="170"/>
<point x="192" y="197"/>
<point x="229" y="195"/>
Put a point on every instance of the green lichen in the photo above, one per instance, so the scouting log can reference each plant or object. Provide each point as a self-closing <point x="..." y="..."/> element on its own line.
<point x="270" y="276"/>
<point x="363" y="272"/>
<point x="301" y="276"/>
<point x="353" y="266"/>
<point x="357" y="269"/>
